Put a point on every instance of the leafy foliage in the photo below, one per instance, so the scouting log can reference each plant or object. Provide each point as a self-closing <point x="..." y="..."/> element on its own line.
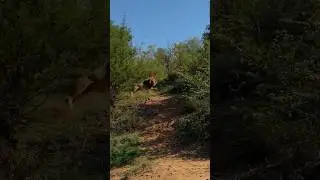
<point x="265" y="91"/>
<point x="124" y="149"/>
<point x="190" y="79"/>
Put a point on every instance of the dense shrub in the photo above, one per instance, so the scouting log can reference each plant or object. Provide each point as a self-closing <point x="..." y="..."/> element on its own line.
<point x="190" y="79"/>
<point x="124" y="149"/>
<point x="265" y="85"/>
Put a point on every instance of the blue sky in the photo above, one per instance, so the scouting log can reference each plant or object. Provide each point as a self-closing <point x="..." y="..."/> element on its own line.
<point x="162" y="22"/>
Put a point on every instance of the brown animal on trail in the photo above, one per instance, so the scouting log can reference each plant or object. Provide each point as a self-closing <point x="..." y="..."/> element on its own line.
<point x="150" y="83"/>
<point x="93" y="82"/>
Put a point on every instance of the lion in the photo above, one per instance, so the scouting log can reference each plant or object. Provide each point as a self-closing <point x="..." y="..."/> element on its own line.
<point x="150" y="83"/>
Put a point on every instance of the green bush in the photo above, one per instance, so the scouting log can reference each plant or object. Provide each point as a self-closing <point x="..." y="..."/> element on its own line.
<point x="124" y="149"/>
<point x="124" y="119"/>
<point x="194" y="127"/>
<point x="265" y="86"/>
<point x="189" y="80"/>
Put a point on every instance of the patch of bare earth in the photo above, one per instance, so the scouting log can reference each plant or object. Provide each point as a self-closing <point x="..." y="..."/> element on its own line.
<point x="169" y="160"/>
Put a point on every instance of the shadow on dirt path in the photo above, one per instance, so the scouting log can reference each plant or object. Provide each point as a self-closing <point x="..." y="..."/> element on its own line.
<point x="170" y="159"/>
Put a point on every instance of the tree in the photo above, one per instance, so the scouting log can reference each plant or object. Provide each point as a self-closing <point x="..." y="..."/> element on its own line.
<point x="162" y="56"/>
<point x="121" y="55"/>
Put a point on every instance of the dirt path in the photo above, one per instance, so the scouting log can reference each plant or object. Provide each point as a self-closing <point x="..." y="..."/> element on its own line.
<point x="168" y="159"/>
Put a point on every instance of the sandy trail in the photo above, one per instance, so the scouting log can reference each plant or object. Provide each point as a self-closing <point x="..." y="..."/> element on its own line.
<point x="169" y="160"/>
